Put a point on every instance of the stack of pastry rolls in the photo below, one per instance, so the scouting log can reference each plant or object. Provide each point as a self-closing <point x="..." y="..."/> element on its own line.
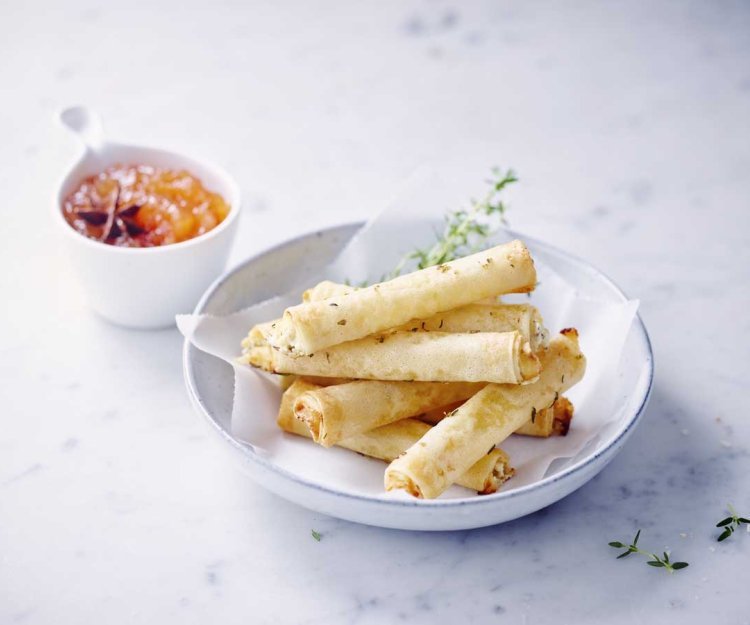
<point x="429" y="371"/>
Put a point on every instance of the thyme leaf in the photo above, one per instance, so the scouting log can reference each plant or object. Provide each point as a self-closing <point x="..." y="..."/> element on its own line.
<point x="731" y="523"/>
<point x="662" y="562"/>
<point x="465" y="230"/>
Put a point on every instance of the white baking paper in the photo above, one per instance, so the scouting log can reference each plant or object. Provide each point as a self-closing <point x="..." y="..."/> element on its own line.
<point x="411" y="221"/>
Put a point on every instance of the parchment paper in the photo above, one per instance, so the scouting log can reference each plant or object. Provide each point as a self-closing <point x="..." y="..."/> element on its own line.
<point x="411" y="221"/>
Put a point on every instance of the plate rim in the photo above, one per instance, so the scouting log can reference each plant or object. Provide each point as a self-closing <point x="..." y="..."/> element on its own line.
<point x="247" y="451"/>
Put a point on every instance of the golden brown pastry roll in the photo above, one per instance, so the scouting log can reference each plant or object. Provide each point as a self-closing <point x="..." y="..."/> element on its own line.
<point x="553" y="421"/>
<point x="327" y="288"/>
<point x="432" y="464"/>
<point x="341" y="411"/>
<point x="487" y="318"/>
<point x="500" y="357"/>
<point x="257" y="335"/>
<point x="312" y="326"/>
<point x="470" y="318"/>
<point x="387" y="442"/>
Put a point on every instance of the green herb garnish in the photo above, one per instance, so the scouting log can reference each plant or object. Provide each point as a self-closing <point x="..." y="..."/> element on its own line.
<point x="316" y="535"/>
<point x="731" y="523"/>
<point x="465" y="229"/>
<point x="655" y="560"/>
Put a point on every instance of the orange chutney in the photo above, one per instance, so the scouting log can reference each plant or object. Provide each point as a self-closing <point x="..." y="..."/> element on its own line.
<point x="143" y="206"/>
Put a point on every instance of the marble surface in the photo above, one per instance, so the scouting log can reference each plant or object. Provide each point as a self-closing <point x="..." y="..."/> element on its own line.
<point x="628" y="125"/>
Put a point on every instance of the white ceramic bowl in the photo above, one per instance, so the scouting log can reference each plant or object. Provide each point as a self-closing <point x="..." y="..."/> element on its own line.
<point x="143" y="287"/>
<point x="210" y="382"/>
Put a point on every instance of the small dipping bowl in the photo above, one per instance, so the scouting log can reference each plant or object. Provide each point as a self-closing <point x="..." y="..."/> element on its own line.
<point x="143" y="287"/>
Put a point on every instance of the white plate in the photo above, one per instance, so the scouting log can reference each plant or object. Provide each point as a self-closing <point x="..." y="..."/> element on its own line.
<point x="210" y="386"/>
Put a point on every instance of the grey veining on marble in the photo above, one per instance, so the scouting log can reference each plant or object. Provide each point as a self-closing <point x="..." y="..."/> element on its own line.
<point x="628" y="125"/>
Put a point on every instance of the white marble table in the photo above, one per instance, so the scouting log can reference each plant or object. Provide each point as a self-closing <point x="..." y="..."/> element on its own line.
<point x="628" y="124"/>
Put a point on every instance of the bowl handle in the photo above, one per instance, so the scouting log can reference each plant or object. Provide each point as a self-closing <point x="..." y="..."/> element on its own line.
<point x="86" y="125"/>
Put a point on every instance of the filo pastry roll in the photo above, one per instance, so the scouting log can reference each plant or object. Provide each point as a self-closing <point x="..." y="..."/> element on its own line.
<point x="553" y="421"/>
<point x="321" y="291"/>
<point x="431" y="465"/>
<point x="500" y="357"/>
<point x="387" y="442"/>
<point x="485" y="316"/>
<point x="312" y="326"/>
<point x="523" y="318"/>
<point x="328" y="288"/>
<point x="341" y="411"/>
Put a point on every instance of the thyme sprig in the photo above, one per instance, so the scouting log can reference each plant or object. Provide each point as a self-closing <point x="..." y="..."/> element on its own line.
<point x="731" y="523"/>
<point x="655" y="560"/>
<point x="316" y="535"/>
<point x="465" y="229"/>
